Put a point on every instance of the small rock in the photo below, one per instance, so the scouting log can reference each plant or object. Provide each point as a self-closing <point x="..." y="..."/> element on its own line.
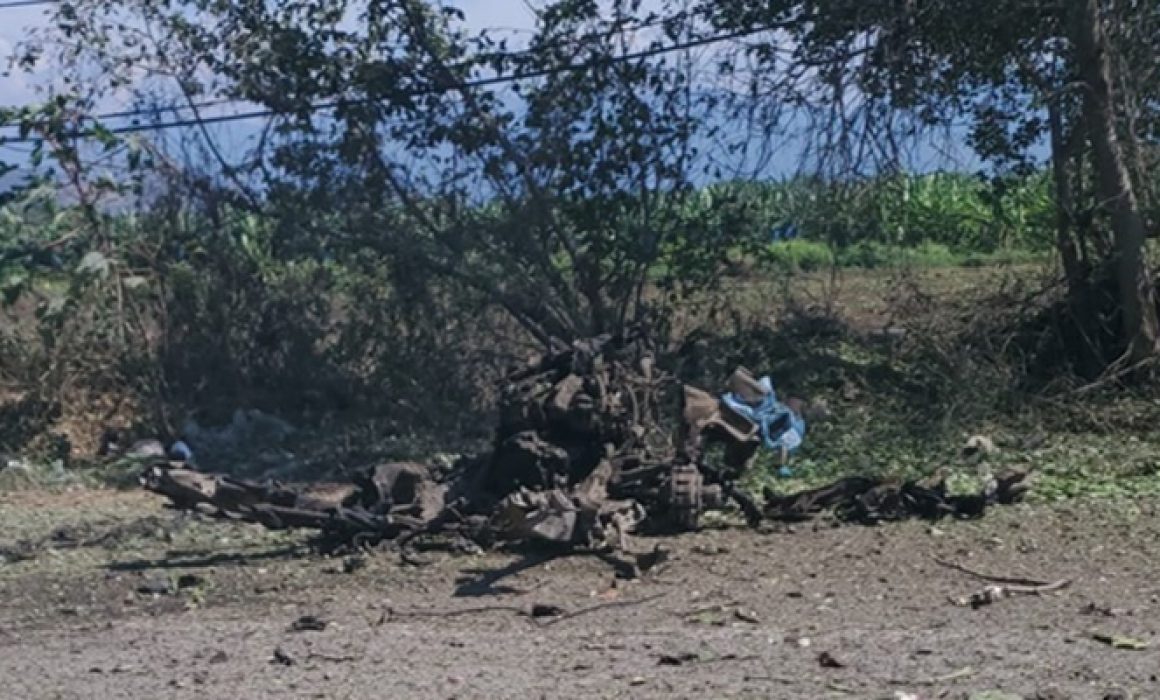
<point x="281" y="657"/>
<point x="677" y="659"/>
<point x="190" y="581"/>
<point x="353" y="564"/>
<point x="156" y="585"/>
<point x="546" y="610"/>
<point x="308" y="623"/>
<point x="827" y="660"/>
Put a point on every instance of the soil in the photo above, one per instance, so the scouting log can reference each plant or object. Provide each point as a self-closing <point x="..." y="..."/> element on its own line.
<point x="97" y="611"/>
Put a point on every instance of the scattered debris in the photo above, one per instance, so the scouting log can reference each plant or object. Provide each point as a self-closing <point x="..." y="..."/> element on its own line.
<point x="1116" y="641"/>
<point x="957" y="675"/>
<point x="593" y="444"/>
<point x="709" y="615"/>
<point x="711" y="550"/>
<point x="1012" y="580"/>
<point x="155" y="586"/>
<point x="308" y="623"/>
<point x="190" y="581"/>
<point x="330" y="657"/>
<point x="582" y="457"/>
<point x="181" y="452"/>
<point x="545" y="610"/>
<point x="282" y="658"/>
<point x="827" y="660"/>
<point x="677" y="659"/>
<point x="604" y="606"/>
<point x="1103" y="610"/>
<point x="1010" y="586"/>
<point x="993" y="594"/>
<point x="869" y="500"/>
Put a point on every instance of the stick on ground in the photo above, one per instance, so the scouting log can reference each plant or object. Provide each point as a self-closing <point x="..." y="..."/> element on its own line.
<point x="1008" y="580"/>
<point x="603" y="606"/>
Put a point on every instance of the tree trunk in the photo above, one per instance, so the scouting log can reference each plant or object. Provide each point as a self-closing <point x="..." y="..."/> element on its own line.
<point x="1064" y="199"/>
<point x="1141" y="327"/>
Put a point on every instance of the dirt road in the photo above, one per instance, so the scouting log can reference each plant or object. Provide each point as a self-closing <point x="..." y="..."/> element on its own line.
<point x="816" y="612"/>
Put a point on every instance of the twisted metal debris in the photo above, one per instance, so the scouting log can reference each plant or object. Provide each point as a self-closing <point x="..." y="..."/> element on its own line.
<point x="585" y="452"/>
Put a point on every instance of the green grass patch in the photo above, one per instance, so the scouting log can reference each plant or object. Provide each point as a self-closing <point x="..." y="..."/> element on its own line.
<point x="810" y="256"/>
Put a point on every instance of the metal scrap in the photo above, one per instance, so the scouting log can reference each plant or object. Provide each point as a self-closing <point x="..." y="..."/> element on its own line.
<point x="592" y="443"/>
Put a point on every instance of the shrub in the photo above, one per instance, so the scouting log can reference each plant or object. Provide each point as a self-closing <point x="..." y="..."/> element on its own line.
<point x="799" y="255"/>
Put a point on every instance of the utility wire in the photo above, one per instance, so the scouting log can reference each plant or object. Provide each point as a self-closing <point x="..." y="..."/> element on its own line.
<point x="151" y="111"/>
<point x="24" y="3"/>
<point x="478" y="83"/>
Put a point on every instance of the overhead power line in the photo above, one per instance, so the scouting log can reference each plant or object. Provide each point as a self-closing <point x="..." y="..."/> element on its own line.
<point x="569" y="41"/>
<point x="25" y="3"/>
<point x="466" y="85"/>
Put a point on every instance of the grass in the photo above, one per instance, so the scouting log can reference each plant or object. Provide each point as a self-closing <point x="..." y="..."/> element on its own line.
<point x="812" y="256"/>
<point x="1097" y="446"/>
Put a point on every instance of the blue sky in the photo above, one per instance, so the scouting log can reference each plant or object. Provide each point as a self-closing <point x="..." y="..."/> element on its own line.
<point x="512" y="17"/>
<point x="14" y="22"/>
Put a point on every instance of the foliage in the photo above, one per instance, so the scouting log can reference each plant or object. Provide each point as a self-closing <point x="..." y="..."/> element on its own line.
<point x="413" y="219"/>
<point x="1078" y="75"/>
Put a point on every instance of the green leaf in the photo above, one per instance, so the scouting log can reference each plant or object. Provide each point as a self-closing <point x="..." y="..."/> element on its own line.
<point x="106" y="138"/>
<point x="93" y="263"/>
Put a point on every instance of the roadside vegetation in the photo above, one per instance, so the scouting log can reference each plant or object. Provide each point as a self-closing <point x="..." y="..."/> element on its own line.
<point x="409" y="223"/>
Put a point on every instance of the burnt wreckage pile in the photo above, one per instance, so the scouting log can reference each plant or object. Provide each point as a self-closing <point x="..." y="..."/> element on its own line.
<point x="582" y="456"/>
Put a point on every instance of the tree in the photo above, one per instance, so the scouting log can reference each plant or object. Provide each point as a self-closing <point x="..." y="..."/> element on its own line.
<point x="1021" y="72"/>
<point x="550" y="180"/>
<point x="1137" y="289"/>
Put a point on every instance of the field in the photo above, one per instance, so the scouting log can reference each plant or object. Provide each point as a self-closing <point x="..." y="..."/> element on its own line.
<point x="108" y="594"/>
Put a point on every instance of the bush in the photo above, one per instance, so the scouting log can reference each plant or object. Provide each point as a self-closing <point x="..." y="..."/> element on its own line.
<point x="799" y="255"/>
<point x="867" y="254"/>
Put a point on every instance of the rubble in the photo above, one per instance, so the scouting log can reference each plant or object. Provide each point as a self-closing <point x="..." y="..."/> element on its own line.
<point x="593" y="443"/>
<point x="869" y="500"/>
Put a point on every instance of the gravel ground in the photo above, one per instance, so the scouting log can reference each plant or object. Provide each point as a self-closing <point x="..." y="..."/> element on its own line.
<point x="812" y="612"/>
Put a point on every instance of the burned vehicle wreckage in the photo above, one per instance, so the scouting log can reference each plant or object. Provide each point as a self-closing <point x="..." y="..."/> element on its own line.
<point x="593" y="443"/>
